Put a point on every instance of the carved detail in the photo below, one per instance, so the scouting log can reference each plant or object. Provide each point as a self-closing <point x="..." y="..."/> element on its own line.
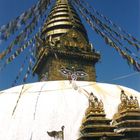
<point x="95" y="105"/>
<point x="74" y="39"/>
<point x="127" y="103"/>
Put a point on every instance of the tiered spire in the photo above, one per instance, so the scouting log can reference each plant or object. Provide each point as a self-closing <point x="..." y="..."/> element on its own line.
<point x="95" y="125"/>
<point x="64" y="44"/>
<point x="127" y="118"/>
<point x="61" y="19"/>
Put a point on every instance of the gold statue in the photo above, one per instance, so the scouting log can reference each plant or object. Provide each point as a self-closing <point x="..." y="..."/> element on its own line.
<point x="95" y="106"/>
<point x="127" y="103"/>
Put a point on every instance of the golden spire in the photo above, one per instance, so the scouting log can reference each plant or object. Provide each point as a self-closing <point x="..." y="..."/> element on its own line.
<point x="64" y="42"/>
<point x="61" y="20"/>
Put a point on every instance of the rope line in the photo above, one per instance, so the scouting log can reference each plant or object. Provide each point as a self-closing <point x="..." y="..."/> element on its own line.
<point x="34" y="115"/>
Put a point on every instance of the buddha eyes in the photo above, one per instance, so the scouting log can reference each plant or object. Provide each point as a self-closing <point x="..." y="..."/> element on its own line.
<point x="67" y="72"/>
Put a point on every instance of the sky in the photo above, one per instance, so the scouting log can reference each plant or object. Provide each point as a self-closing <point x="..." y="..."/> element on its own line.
<point x="111" y="68"/>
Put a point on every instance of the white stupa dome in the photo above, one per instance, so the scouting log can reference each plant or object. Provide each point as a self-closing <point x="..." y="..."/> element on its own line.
<point x="28" y="111"/>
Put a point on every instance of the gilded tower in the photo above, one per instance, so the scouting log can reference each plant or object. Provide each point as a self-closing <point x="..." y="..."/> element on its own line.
<point x="63" y="46"/>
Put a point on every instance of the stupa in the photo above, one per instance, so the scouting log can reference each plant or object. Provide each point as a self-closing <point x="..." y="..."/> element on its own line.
<point x="60" y="105"/>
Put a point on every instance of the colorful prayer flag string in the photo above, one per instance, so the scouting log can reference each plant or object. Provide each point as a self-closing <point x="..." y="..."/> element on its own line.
<point x="107" y="28"/>
<point x="31" y="56"/>
<point x="109" y="21"/>
<point x="16" y="24"/>
<point x="111" y="43"/>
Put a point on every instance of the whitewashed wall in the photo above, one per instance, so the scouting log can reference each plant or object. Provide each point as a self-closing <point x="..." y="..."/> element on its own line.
<point x="46" y="106"/>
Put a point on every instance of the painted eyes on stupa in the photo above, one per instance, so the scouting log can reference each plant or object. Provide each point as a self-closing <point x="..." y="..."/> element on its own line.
<point x="81" y="73"/>
<point x="67" y="72"/>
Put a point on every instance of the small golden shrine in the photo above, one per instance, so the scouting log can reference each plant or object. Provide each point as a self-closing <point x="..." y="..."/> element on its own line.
<point x="127" y="119"/>
<point x="95" y="125"/>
